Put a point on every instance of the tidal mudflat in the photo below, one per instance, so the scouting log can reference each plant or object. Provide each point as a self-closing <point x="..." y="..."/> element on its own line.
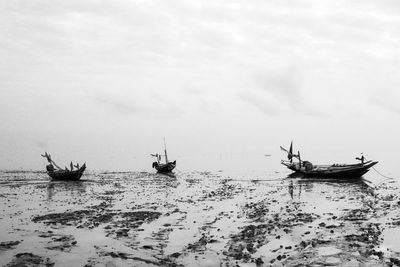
<point x="197" y="219"/>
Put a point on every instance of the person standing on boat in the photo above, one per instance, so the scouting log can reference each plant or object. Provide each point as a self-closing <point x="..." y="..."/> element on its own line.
<point x="362" y="158"/>
<point x="50" y="168"/>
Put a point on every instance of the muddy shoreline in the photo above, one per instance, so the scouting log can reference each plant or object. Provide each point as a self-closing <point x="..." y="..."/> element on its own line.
<point x="196" y="219"/>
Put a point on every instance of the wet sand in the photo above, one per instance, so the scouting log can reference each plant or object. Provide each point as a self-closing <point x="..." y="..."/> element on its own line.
<point x="197" y="219"/>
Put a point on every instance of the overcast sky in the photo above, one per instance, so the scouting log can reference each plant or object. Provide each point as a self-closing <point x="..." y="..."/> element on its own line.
<point x="105" y="81"/>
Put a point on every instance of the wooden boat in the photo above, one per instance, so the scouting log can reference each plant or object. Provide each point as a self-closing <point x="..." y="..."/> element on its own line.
<point x="306" y="168"/>
<point x="166" y="167"/>
<point x="63" y="174"/>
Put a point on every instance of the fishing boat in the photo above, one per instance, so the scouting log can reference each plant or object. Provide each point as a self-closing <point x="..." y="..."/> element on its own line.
<point x="166" y="167"/>
<point x="58" y="173"/>
<point x="306" y="168"/>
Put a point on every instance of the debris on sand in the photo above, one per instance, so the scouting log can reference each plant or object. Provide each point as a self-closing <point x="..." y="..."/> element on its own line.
<point x="29" y="259"/>
<point x="63" y="218"/>
<point x="93" y="218"/>
<point x="8" y="245"/>
<point x="62" y="243"/>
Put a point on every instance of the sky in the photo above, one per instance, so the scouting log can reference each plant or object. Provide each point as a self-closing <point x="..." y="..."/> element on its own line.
<point x="105" y="81"/>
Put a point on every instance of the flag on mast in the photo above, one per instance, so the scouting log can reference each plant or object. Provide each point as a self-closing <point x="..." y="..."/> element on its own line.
<point x="290" y="153"/>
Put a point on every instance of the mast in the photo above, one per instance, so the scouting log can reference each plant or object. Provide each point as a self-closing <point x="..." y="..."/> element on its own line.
<point x="290" y="154"/>
<point x="165" y="151"/>
<point x="48" y="157"/>
<point x="299" y="158"/>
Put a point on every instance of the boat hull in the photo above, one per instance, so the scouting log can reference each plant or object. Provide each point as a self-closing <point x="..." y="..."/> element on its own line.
<point x="165" y="168"/>
<point x="67" y="175"/>
<point x="333" y="171"/>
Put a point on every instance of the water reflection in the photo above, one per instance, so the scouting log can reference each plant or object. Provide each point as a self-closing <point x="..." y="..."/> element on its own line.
<point x="301" y="177"/>
<point x="171" y="174"/>
<point x="164" y="179"/>
<point x="297" y="186"/>
<point x="293" y="189"/>
<point x="66" y="188"/>
<point x="306" y="180"/>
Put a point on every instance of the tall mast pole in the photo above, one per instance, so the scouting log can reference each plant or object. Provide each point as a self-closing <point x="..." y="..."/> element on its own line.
<point x="299" y="158"/>
<point x="165" y="151"/>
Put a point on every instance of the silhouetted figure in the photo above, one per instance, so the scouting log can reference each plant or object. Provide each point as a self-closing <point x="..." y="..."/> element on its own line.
<point x="361" y="158"/>
<point x="72" y="166"/>
<point x="50" y="168"/>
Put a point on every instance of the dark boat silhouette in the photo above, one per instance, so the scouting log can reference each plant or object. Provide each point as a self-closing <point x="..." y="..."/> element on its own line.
<point x="58" y="173"/>
<point x="306" y="168"/>
<point x="166" y="167"/>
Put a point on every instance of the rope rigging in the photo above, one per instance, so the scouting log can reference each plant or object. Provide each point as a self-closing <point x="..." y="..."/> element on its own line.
<point x="387" y="177"/>
<point x="384" y="176"/>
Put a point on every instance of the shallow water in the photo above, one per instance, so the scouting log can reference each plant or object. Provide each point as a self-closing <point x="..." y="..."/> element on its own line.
<point x="252" y="218"/>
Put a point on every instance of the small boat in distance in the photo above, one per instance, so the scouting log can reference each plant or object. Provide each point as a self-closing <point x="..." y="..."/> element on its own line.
<point x="306" y="168"/>
<point x="166" y="167"/>
<point x="58" y="173"/>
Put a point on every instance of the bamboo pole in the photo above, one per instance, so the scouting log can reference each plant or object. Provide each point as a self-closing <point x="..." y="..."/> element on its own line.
<point x="48" y="157"/>
<point x="165" y="151"/>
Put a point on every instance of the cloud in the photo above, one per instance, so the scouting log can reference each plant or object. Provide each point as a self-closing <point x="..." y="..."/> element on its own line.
<point x="284" y="84"/>
<point x="150" y="103"/>
<point x="122" y="106"/>
<point x="279" y="91"/>
<point x="41" y="144"/>
<point x="262" y="102"/>
<point x="193" y="64"/>
<point x="386" y="100"/>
